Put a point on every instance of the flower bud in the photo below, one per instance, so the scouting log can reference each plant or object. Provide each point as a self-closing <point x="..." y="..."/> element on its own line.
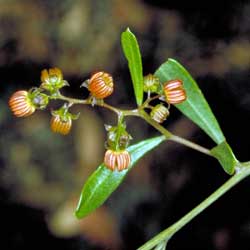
<point x="58" y="125"/>
<point x="101" y="85"/>
<point x="174" y="91"/>
<point x="151" y="83"/>
<point x="117" y="160"/>
<point x="159" y="113"/>
<point x="21" y="104"/>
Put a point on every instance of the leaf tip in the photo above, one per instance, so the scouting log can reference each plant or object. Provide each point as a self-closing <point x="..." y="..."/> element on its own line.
<point x="128" y="29"/>
<point x="78" y="210"/>
<point x="172" y="60"/>
<point x="77" y="214"/>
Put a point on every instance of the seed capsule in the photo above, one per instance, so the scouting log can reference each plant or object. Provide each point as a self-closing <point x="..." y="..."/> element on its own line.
<point x="174" y="91"/>
<point x="20" y="104"/>
<point x="159" y="113"/>
<point x="58" y="125"/>
<point x="117" y="160"/>
<point x="101" y="85"/>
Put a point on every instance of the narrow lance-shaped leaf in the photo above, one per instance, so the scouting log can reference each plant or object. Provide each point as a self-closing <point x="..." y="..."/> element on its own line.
<point x="196" y="106"/>
<point x="224" y="154"/>
<point x="198" y="110"/>
<point x="103" y="182"/>
<point x="132" y="53"/>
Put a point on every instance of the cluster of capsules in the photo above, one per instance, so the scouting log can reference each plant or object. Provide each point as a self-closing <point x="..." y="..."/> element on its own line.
<point x="100" y="85"/>
<point x="24" y="103"/>
<point x="171" y="92"/>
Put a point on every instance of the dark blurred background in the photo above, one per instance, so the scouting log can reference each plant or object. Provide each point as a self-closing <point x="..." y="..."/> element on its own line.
<point x="41" y="173"/>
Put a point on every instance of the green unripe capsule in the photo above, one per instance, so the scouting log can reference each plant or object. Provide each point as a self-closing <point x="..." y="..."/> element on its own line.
<point x="151" y="83"/>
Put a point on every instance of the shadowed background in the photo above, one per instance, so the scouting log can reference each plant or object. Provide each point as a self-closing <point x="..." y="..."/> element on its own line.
<point x="41" y="173"/>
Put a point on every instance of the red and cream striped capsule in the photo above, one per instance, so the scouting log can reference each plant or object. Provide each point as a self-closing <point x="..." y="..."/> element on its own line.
<point x="101" y="85"/>
<point x="60" y="126"/>
<point x="20" y="104"/>
<point x="159" y="113"/>
<point x="174" y="91"/>
<point x="117" y="160"/>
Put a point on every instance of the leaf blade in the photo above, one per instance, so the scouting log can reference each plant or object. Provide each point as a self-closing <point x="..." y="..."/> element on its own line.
<point x="132" y="53"/>
<point x="103" y="182"/>
<point x="224" y="154"/>
<point x="195" y="107"/>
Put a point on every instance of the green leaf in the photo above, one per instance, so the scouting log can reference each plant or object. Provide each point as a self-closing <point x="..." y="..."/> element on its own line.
<point x="132" y="53"/>
<point x="195" y="107"/>
<point x="224" y="154"/>
<point x="103" y="182"/>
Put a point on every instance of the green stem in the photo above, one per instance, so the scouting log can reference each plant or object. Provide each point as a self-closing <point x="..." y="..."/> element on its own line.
<point x="171" y="136"/>
<point x="190" y="144"/>
<point x="243" y="171"/>
<point x="119" y="112"/>
<point x="144" y="115"/>
<point x="71" y="100"/>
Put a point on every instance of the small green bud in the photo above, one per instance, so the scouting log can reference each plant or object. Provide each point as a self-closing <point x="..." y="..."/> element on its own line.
<point x="118" y="138"/>
<point x="151" y="83"/>
<point x="64" y="113"/>
<point x="38" y="99"/>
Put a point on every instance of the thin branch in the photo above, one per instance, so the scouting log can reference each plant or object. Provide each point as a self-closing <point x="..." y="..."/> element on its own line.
<point x="173" y="137"/>
<point x="166" y="234"/>
<point x="101" y="103"/>
<point x="139" y="112"/>
<point x="190" y="144"/>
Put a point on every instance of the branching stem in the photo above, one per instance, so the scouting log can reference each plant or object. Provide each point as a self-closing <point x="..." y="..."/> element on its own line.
<point x="173" y="137"/>
<point x="166" y="234"/>
<point x="141" y="113"/>
<point x="243" y="169"/>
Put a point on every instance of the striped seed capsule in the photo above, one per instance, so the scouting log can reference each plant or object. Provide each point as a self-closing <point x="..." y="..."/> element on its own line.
<point x="117" y="160"/>
<point x="21" y="104"/>
<point x="58" y="125"/>
<point x="159" y="113"/>
<point x="101" y="85"/>
<point x="174" y="91"/>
